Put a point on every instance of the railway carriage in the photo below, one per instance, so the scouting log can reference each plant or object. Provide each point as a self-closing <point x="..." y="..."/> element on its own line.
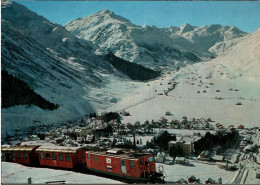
<point x="61" y="157"/>
<point x="21" y="154"/>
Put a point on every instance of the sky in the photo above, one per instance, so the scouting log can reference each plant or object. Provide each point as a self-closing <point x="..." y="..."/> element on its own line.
<point x="243" y="14"/>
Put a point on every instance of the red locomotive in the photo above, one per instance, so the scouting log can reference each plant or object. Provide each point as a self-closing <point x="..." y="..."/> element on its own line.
<point x="130" y="165"/>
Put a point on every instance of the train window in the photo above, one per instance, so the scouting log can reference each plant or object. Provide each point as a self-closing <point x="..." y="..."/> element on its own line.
<point x="141" y="161"/>
<point x="48" y="156"/>
<point x="54" y="157"/>
<point x="41" y="156"/>
<point x="132" y="164"/>
<point x="88" y="156"/>
<point x="109" y="168"/>
<point x="18" y="155"/>
<point x="95" y="158"/>
<point x="24" y="155"/>
<point x="13" y="155"/>
<point x="150" y="159"/>
<point x="67" y="157"/>
<point x="61" y="157"/>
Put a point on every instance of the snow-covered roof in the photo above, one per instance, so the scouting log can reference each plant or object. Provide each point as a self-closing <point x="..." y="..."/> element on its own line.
<point x="19" y="149"/>
<point x="60" y="149"/>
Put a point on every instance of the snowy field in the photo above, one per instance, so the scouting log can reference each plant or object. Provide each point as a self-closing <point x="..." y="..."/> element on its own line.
<point x="16" y="173"/>
<point x="145" y="104"/>
<point x="199" y="170"/>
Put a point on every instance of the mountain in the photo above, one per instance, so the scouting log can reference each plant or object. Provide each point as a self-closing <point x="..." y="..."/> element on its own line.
<point x="142" y="45"/>
<point x="242" y="60"/>
<point x="57" y="66"/>
<point x="151" y="46"/>
<point x="215" y="38"/>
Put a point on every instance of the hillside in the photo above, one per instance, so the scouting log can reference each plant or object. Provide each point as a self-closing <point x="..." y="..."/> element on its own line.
<point x="57" y="65"/>
<point x="225" y="89"/>
<point x="132" y="70"/>
<point x="16" y="92"/>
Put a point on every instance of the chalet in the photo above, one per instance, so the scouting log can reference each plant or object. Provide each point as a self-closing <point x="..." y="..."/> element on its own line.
<point x="160" y="158"/>
<point x="218" y="158"/>
<point x="204" y="155"/>
<point x="163" y="120"/>
<point x="181" y="160"/>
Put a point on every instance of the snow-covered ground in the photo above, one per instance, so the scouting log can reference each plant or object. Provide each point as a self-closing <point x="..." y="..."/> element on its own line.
<point x="209" y="89"/>
<point x="13" y="173"/>
<point x="199" y="170"/>
<point x="145" y="104"/>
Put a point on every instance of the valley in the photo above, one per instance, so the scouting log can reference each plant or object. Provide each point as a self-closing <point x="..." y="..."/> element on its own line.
<point x="188" y="95"/>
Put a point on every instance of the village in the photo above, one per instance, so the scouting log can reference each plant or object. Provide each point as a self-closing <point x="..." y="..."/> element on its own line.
<point x="186" y="142"/>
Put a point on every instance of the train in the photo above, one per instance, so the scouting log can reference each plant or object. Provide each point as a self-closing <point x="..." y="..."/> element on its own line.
<point x="131" y="166"/>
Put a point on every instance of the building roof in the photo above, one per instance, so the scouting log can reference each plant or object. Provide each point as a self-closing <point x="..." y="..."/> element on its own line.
<point x="218" y="157"/>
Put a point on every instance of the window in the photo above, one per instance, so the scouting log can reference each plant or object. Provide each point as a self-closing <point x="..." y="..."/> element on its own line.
<point x="150" y="159"/>
<point x="24" y="155"/>
<point x="18" y="155"/>
<point x="13" y="155"/>
<point x="54" y="157"/>
<point x="132" y="164"/>
<point x="67" y="157"/>
<point x="141" y="161"/>
<point x="61" y="157"/>
<point x="48" y="156"/>
<point x="95" y="158"/>
<point x="41" y="156"/>
<point x="88" y="156"/>
<point x="109" y="168"/>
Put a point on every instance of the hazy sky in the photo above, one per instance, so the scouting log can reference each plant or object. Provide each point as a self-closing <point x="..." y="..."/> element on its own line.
<point x="245" y="15"/>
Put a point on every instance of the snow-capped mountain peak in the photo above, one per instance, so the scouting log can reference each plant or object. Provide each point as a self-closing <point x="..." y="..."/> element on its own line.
<point x="144" y="44"/>
<point x="186" y="28"/>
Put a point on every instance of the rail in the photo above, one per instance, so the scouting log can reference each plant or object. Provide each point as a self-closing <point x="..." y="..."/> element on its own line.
<point x="55" y="182"/>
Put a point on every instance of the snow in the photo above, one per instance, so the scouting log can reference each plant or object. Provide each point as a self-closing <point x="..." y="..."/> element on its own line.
<point x="224" y="72"/>
<point x="199" y="170"/>
<point x="16" y="173"/>
<point x="144" y="44"/>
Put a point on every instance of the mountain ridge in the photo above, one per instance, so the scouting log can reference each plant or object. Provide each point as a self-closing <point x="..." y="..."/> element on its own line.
<point x="128" y="41"/>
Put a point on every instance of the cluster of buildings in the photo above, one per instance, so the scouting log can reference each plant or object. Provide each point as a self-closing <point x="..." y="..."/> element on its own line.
<point x="195" y="124"/>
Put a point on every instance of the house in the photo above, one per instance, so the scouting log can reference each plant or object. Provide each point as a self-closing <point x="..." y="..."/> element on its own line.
<point x="181" y="160"/>
<point x="248" y="148"/>
<point x="204" y="155"/>
<point x="160" y="158"/>
<point x="184" y="142"/>
<point x="257" y="174"/>
<point x="159" y="134"/>
<point x="81" y="132"/>
<point x="218" y="158"/>
<point x="163" y="120"/>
